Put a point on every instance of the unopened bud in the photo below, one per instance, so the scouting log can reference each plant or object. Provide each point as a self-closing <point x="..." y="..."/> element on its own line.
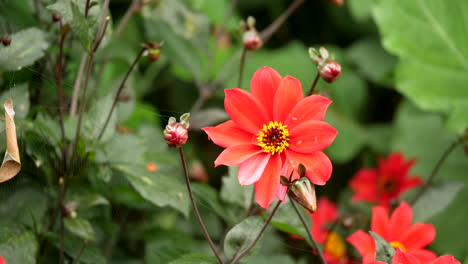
<point x="153" y="51"/>
<point x="303" y="192"/>
<point x="6" y="40"/>
<point x="56" y="17"/>
<point x="330" y="71"/>
<point x="176" y="134"/>
<point x="252" y="40"/>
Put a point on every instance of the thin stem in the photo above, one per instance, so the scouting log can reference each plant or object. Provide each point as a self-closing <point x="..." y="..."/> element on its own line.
<point x="77" y="84"/>
<point x="63" y="34"/>
<point x="86" y="11"/>
<point x="119" y="91"/>
<point x="241" y="67"/>
<point x="62" y="227"/>
<point x="132" y="9"/>
<point x="242" y="253"/>
<point x="77" y="259"/>
<point x="311" y="237"/>
<point x="314" y="84"/>
<point x="195" y="208"/>
<point x="436" y="169"/>
<point x="273" y="27"/>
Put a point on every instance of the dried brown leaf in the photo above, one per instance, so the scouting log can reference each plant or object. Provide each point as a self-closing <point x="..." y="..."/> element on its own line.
<point x="11" y="164"/>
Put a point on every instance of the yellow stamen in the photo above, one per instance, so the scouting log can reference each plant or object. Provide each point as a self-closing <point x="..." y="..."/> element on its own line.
<point x="335" y="246"/>
<point x="274" y="137"/>
<point x="396" y="245"/>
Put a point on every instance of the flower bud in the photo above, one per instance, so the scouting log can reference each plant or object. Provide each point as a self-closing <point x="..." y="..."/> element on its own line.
<point x="6" y="40"/>
<point x="330" y="71"/>
<point x="153" y="51"/>
<point x="56" y="17"/>
<point x="176" y="134"/>
<point x="252" y="40"/>
<point x="303" y="192"/>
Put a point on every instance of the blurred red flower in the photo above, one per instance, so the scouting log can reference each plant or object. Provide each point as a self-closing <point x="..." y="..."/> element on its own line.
<point x="272" y="130"/>
<point x="398" y="231"/>
<point x="2" y="261"/>
<point x="406" y="258"/>
<point x="386" y="182"/>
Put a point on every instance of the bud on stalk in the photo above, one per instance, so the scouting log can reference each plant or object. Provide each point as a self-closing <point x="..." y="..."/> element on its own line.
<point x="303" y="192"/>
<point x="330" y="71"/>
<point x="176" y="134"/>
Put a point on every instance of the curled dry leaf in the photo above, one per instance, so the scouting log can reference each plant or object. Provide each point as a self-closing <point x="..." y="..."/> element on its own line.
<point x="11" y="164"/>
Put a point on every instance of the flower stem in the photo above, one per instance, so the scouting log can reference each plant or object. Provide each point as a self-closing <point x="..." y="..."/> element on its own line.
<point x="241" y="67"/>
<point x="119" y="91"/>
<point x="436" y="169"/>
<point x="63" y="35"/>
<point x="195" y="208"/>
<point x="132" y="9"/>
<point x="314" y="84"/>
<point x="62" y="227"/>
<point x="77" y="259"/>
<point x="311" y="237"/>
<point x="242" y="253"/>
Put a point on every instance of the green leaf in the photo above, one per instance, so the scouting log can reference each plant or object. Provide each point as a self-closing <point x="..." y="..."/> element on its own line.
<point x="74" y="246"/>
<point x="208" y="196"/>
<point x="384" y="251"/>
<point x="287" y="220"/>
<point x="242" y="235"/>
<point x="96" y="117"/>
<point x="433" y="67"/>
<point x="233" y="192"/>
<point x="80" y="227"/>
<point x="436" y="199"/>
<point x="17" y="245"/>
<point x="72" y="15"/>
<point x="27" y="46"/>
<point x="158" y="188"/>
<point x="283" y="259"/>
<point x="195" y="258"/>
<point x="361" y="10"/>
<point x="20" y="96"/>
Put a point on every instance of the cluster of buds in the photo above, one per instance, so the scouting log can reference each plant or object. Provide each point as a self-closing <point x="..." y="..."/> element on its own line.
<point x="176" y="134"/>
<point x="328" y="68"/>
<point x="250" y="37"/>
<point x="6" y="40"/>
<point x="153" y="50"/>
<point x="302" y="190"/>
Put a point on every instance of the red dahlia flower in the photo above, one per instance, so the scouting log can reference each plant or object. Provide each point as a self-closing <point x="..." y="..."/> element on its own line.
<point x="398" y="231"/>
<point x="406" y="258"/>
<point x="272" y="130"/>
<point x="386" y="182"/>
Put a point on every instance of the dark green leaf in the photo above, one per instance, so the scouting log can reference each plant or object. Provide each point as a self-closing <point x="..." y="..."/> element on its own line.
<point x="287" y="220"/>
<point x="17" y="245"/>
<point x="384" y="251"/>
<point x="26" y="47"/>
<point x="80" y="227"/>
<point x="208" y="196"/>
<point x="195" y="258"/>
<point x="242" y="235"/>
<point x="20" y="96"/>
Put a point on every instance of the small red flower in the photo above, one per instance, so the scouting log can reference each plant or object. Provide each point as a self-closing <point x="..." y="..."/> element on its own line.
<point x="406" y="258"/>
<point x="398" y="231"/>
<point x="272" y="130"/>
<point x="386" y="182"/>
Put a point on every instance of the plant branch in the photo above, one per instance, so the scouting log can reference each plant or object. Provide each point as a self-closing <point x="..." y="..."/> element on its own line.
<point x="119" y="91"/>
<point x="195" y="208"/>
<point x="86" y="10"/>
<point x="241" y="67"/>
<point x="132" y="9"/>
<point x="311" y="237"/>
<point x="63" y="35"/>
<point x="77" y="84"/>
<point x="436" y="169"/>
<point x="273" y="27"/>
<point x="62" y="227"/>
<point x="314" y="84"/>
<point x="242" y="253"/>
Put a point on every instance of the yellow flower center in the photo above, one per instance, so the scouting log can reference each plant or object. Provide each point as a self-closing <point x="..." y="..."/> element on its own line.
<point x="396" y="245"/>
<point x="335" y="246"/>
<point x="274" y="137"/>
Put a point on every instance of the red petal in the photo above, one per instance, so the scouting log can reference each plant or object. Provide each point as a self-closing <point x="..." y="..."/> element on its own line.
<point x="287" y="96"/>
<point x="245" y="110"/>
<point x="318" y="165"/>
<point x="411" y="183"/>
<point x="379" y="224"/>
<point x="364" y="184"/>
<point x="310" y="108"/>
<point x="251" y="169"/>
<point x="264" y="84"/>
<point x="228" y="134"/>
<point x="236" y="154"/>
<point x="364" y="243"/>
<point x="327" y="213"/>
<point x="311" y="136"/>
<point x="400" y="221"/>
<point x="423" y="255"/>
<point x="282" y="189"/>
<point x="418" y="236"/>
<point x="267" y="186"/>
<point x="401" y="257"/>
<point x="446" y="259"/>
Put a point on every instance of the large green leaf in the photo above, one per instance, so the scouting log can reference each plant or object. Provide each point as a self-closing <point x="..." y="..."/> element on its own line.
<point x="26" y="47"/>
<point x="17" y="245"/>
<point x="195" y="259"/>
<point x="160" y="189"/>
<point x="20" y="96"/>
<point x="80" y="227"/>
<point x="242" y="235"/>
<point x="422" y="136"/>
<point x="430" y="37"/>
